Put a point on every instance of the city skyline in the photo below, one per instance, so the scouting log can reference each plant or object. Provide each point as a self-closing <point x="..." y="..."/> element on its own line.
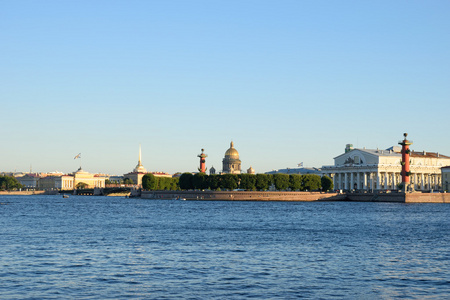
<point x="288" y="82"/>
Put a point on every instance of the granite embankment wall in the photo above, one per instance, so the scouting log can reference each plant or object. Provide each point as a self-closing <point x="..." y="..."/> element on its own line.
<point x="399" y="197"/>
<point x="427" y="198"/>
<point x="299" y="196"/>
<point x="25" y="193"/>
<point x="240" y="195"/>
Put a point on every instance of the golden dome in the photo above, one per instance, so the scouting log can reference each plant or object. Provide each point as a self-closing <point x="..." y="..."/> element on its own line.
<point x="231" y="152"/>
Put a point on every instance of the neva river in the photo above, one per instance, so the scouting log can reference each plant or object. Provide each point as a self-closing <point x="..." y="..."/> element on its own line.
<point x="109" y="247"/>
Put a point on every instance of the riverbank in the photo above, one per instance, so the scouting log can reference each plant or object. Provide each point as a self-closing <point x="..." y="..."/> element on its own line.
<point x="25" y="193"/>
<point x="298" y="196"/>
<point x="267" y="196"/>
<point x="240" y="195"/>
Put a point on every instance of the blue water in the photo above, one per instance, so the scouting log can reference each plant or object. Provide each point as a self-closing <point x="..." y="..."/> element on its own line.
<point x="108" y="247"/>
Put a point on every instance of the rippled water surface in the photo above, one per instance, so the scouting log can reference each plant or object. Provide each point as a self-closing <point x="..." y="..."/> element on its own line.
<point x="109" y="247"/>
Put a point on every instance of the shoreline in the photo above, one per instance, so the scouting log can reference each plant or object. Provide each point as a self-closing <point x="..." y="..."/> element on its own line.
<point x="287" y="196"/>
<point x="25" y="193"/>
<point x="298" y="196"/>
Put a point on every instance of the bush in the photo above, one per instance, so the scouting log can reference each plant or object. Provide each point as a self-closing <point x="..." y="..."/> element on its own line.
<point x="186" y="181"/>
<point x="327" y="183"/>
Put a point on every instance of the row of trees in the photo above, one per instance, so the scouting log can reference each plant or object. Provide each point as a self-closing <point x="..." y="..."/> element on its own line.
<point x="152" y="183"/>
<point x="124" y="181"/>
<point x="9" y="183"/>
<point x="260" y="182"/>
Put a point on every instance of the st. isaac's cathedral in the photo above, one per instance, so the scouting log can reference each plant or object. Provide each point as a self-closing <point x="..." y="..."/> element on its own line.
<point x="231" y="163"/>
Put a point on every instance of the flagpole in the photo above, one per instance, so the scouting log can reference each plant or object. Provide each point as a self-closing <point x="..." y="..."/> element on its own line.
<point x="78" y="156"/>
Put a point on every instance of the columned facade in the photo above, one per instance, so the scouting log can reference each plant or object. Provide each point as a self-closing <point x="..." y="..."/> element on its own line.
<point x="372" y="170"/>
<point x="364" y="179"/>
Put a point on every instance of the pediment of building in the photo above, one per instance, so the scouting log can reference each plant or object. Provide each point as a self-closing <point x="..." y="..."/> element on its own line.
<point x="356" y="157"/>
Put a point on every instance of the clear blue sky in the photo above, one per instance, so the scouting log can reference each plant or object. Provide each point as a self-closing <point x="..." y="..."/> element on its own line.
<point x="287" y="81"/>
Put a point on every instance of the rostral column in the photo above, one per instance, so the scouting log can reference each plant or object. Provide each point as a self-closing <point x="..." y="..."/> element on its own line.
<point x="202" y="156"/>
<point x="405" y="162"/>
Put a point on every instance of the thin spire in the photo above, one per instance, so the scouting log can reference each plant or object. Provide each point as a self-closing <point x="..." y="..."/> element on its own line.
<point x="139" y="162"/>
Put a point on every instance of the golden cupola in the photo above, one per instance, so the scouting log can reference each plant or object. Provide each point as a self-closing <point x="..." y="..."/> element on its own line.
<point x="232" y="152"/>
<point x="231" y="163"/>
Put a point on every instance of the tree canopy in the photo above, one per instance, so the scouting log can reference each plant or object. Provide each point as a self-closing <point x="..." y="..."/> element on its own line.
<point x="151" y="182"/>
<point x="310" y="182"/>
<point x="186" y="181"/>
<point x="281" y="181"/>
<point x="9" y="183"/>
<point x="249" y="182"/>
<point x="327" y="183"/>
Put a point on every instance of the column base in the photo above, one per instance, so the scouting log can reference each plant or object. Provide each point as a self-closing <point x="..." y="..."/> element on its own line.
<point x="407" y="188"/>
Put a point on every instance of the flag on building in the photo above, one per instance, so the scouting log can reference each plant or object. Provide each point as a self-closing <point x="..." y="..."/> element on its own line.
<point x="300" y="164"/>
<point x="78" y="156"/>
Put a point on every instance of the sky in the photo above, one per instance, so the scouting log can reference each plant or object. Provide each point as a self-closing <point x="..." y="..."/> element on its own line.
<point x="286" y="81"/>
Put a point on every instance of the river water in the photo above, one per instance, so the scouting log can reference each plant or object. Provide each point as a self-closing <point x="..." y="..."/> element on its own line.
<point x="110" y="247"/>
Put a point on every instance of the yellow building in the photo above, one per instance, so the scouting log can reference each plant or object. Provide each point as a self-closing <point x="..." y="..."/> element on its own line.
<point x="61" y="182"/>
<point x="90" y="180"/>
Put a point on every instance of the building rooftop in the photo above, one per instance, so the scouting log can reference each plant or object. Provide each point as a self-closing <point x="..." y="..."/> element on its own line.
<point x="295" y="171"/>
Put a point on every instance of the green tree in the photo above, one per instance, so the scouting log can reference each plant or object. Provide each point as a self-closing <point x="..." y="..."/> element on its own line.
<point x="149" y="182"/>
<point x="200" y="181"/>
<point x="281" y="181"/>
<point x="164" y="183"/>
<point x="248" y="182"/>
<point x="185" y="181"/>
<point x="214" y="181"/>
<point x="174" y="186"/>
<point x="262" y="182"/>
<point x="295" y="182"/>
<point x="107" y="181"/>
<point x="310" y="182"/>
<point x="229" y="181"/>
<point x="128" y="181"/>
<point x="9" y="183"/>
<point x="327" y="183"/>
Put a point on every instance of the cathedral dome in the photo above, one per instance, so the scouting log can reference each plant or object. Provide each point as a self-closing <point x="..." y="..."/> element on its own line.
<point x="232" y="152"/>
<point x="250" y="170"/>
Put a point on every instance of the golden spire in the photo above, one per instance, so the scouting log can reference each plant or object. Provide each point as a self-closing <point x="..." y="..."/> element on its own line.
<point x="139" y="161"/>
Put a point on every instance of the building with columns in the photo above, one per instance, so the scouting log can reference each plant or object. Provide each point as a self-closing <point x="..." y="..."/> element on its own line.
<point x="57" y="182"/>
<point x="375" y="169"/>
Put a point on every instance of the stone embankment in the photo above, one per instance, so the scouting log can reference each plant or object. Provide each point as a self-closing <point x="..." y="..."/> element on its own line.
<point x="416" y="197"/>
<point x="240" y="195"/>
<point x="298" y="196"/>
<point x="25" y="193"/>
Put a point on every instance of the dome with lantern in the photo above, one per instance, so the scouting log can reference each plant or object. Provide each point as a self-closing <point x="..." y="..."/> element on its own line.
<point x="231" y="162"/>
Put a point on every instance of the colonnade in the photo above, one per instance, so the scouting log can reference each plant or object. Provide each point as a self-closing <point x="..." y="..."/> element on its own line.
<point x="382" y="180"/>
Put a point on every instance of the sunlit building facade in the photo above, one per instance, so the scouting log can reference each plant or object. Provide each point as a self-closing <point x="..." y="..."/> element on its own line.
<point x="375" y="169"/>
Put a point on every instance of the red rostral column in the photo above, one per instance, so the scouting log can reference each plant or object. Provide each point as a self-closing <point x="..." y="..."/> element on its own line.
<point x="405" y="161"/>
<point x="202" y="156"/>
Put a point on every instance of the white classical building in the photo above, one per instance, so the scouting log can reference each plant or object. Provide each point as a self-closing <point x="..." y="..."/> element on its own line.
<point x="368" y="169"/>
